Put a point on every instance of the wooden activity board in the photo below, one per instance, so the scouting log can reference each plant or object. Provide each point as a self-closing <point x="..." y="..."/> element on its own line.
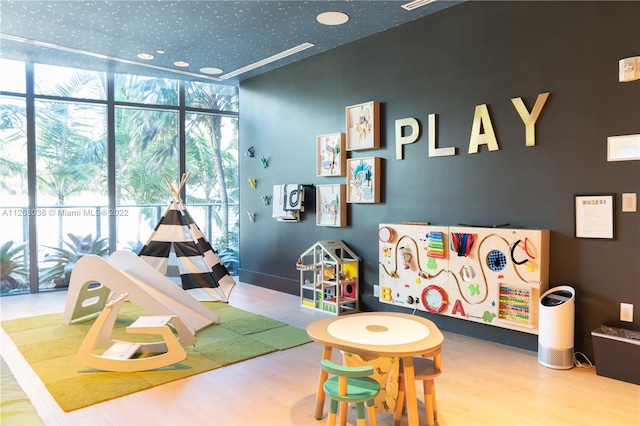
<point x="488" y="275"/>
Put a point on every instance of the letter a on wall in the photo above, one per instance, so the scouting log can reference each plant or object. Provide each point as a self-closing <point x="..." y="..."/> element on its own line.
<point x="482" y="120"/>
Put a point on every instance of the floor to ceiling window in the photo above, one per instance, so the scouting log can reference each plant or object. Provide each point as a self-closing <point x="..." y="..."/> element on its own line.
<point x="84" y="156"/>
<point x="71" y="169"/>
<point x="211" y="153"/>
<point x="14" y="198"/>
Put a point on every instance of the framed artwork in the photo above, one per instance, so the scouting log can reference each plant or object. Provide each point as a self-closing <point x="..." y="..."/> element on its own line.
<point x="330" y="155"/>
<point x="331" y="208"/>
<point x="623" y="148"/>
<point x="363" y="126"/>
<point x="595" y="216"/>
<point x="363" y="180"/>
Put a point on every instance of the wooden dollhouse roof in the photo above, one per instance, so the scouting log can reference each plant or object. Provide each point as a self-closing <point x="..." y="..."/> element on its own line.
<point x="332" y="248"/>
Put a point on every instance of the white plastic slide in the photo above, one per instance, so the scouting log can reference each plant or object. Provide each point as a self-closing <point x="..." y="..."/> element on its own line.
<point x="93" y="278"/>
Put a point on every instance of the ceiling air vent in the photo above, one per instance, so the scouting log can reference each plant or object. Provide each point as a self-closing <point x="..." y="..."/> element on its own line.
<point x="268" y="60"/>
<point x="416" y="4"/>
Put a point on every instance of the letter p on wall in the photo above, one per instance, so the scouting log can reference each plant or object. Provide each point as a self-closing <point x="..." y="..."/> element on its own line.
<point x="404" y="140"/>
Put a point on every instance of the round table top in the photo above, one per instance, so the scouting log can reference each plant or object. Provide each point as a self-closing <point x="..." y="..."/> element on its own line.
<point x="378" y="333"/>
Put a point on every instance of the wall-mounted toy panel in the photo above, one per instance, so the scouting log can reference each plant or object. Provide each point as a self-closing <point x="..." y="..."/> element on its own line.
<point x="487" y="275"/>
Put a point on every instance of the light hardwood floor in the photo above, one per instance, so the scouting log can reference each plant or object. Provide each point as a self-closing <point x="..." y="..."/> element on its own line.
<point x="482" y="383"/>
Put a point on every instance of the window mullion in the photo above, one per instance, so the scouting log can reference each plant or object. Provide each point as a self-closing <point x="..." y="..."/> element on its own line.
<point x="182" y="134"/>
<point x="111" y="161"/>
<point x="31" y="179"/>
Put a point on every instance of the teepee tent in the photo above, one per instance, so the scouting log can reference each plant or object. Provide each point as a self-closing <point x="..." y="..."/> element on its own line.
<point x="177" y="241"/>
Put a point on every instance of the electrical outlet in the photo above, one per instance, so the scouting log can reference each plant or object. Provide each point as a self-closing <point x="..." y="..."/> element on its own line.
<point x="626" y="312"/>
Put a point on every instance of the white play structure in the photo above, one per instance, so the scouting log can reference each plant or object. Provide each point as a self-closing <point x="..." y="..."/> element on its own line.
<point x="101" y="285"/>
<point x="94" y="278"/>
<point x="120" y="354"/>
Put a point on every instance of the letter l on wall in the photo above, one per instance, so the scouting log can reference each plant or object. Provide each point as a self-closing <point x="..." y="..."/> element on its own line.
<point x="434" y="151"/>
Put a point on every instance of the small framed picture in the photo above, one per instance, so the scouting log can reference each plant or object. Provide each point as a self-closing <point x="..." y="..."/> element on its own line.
<point x="363" y="126"/>
<point x="363" y="180"/>
<point x="331" y="208"/>
<point x="623" y="148"/>
<point x="595" y="216"/>
<point x="330" y="155"/>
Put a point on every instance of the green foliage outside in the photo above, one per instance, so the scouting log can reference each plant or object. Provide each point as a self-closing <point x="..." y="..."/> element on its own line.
<point x="72" y="156"/>
<point x="60" y="261"/>
<point x="13" y="272"/>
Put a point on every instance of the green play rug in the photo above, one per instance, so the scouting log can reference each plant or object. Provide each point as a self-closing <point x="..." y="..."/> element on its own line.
<point x="15" y="406"/>
<point x="50" y="347"/>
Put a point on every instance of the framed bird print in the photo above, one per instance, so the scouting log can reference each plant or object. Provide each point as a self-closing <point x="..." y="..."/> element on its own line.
<point x="330" y="155"/>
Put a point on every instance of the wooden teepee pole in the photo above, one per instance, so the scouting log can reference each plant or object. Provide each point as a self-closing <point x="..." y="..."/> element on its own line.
<point x="174" y="192"/>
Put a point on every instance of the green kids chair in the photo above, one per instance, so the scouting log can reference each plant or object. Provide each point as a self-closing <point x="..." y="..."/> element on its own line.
<point x="350" y="385"/>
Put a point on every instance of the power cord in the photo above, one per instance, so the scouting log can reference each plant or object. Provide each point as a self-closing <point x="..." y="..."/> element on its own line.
<point x="579" y="364"/>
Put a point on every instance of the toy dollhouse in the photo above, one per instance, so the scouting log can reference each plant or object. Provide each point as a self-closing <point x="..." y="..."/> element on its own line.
<point x="329" y="277"/>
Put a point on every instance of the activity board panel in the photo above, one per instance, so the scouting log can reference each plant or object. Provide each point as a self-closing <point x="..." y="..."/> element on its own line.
<point x="407" y="269"/>
<point x="488" y="275"/>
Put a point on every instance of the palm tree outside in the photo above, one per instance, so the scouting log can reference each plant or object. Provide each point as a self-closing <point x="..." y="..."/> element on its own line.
<point x="71" y="161"/>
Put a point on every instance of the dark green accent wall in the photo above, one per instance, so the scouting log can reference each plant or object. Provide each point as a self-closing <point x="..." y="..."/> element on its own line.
<point x="447" y="63"/>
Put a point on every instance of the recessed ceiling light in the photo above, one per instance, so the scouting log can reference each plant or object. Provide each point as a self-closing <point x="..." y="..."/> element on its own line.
<point x="181" y="64"/>
<point x="210" y="70"/>
<point x="145" y="56"/>
<point x="99" y="56"/>
<point x="332" y="18"/>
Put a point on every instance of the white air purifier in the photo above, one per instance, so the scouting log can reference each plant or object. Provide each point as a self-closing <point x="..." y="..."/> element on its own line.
<point x="556" y="327"/>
